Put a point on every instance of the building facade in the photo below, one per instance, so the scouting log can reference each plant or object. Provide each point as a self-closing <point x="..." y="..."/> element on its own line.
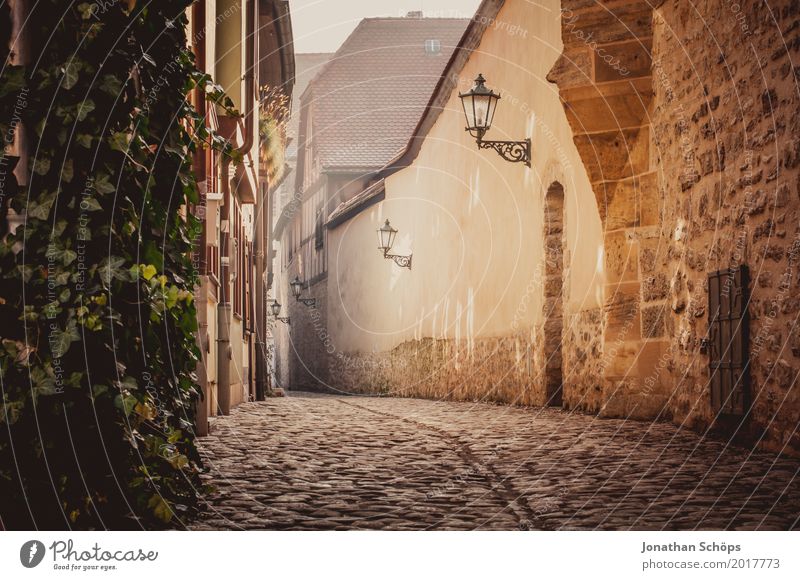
<point x="486" y="309"/>
<point x="284" y="204"/>
<point x="644" y="266"/>
<point x="243" y="45"/>
<point x="348" y="130"/>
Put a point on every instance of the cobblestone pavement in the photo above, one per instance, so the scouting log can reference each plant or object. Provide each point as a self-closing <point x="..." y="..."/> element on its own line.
<point x="324" y="462"/>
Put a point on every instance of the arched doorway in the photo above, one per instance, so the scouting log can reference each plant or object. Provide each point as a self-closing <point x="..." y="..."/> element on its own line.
<point x="554" y="293"/>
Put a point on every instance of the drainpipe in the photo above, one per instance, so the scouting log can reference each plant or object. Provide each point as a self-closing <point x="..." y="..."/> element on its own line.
<point x="224" y="310"/>
<point x="259" y="251"/>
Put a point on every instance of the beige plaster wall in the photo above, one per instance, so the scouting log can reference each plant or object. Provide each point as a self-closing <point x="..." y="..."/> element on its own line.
<point x="473" y="220"/>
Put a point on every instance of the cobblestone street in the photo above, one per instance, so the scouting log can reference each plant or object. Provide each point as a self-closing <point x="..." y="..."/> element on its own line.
<point x="322" y="462"/>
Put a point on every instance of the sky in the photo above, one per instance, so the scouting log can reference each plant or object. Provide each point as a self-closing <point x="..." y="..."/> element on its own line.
<point x="322" y="25"/>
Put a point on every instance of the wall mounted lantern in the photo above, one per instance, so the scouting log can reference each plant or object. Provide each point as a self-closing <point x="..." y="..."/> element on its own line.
<point x="297" y="291"/>
<point x="276" y="310"/>
<point x="386" y="235"/>
<point x="480" y="104"/>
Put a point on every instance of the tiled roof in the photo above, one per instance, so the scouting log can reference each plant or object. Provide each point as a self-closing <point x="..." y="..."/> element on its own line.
<point x="448" y="82"/>
<point x="369" y="97"/>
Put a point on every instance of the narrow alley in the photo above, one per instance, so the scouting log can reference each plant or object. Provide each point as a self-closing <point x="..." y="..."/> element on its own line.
<point x="316" y="462"/>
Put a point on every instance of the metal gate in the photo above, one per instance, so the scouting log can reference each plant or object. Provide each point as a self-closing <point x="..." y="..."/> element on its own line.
<point x="728" y="340"/>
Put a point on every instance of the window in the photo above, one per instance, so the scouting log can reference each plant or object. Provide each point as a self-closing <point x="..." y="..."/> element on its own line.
<point x="319" y="231"/>
<point x="433" y="47"/>
<point x="236" y="259"/>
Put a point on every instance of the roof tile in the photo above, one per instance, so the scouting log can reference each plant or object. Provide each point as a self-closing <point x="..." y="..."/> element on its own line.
<point x="369" y="97"/>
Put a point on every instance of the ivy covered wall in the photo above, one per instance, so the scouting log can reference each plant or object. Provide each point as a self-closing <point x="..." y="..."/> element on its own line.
<point x="97" y="321"/>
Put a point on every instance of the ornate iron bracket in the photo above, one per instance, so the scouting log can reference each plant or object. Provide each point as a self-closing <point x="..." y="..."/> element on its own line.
<point x="310" y="302"/>
<point x="513" y="151"/>
<point x="402" y="261"/>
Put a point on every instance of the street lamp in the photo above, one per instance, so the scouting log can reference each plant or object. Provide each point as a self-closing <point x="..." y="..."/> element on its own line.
<point x="386" y="235"/>
<point x="480" y="104"/>
<point x="276" y="310"/>
<point x="297" y="290"/>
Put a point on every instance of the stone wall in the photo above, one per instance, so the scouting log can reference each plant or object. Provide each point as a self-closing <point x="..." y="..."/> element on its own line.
<point x="504" y="370"/>
<point x="727" y="136"/>
<point x="693" y="148"/>
<point x="309" y="344"/>
<point x="554" y="289"/>
<point x="584" y="360"/>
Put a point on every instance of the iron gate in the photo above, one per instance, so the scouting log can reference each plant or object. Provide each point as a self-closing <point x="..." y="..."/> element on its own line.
<point x="728" y="340"/>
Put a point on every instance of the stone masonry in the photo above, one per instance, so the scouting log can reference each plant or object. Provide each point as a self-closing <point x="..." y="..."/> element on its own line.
<point x="308" y="340"/>
<point x="693" y="147"/>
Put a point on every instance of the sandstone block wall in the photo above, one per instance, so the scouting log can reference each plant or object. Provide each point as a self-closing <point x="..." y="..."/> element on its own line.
<point x="693" y="147"/>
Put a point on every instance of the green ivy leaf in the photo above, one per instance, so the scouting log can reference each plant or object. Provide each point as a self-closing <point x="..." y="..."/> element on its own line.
<point x="59" y="228"/>
<point x="43" y="380"/>
<point x="41" y="210"/>
<point x="90" y="204"/>
<point x="125" y="403"/>
<point x="42" y="166"/>
<point x="161" y="508"/>
<point x="148" y="271"/>
<point x="13" y="80"/>
<point x="111" y="85"/>
<point x="71" y="76"/>
<point x="69" y="257"/>
<point x="85" y="108"/>
<point x="86" y="9"/>
<point x="103" y="184"/>
<point x="67" y="171"/>
<point x="111" y="268"/>
<point x="84" y="140"/>
<point x="119" y="141"/>
<point x="60" y="340"/>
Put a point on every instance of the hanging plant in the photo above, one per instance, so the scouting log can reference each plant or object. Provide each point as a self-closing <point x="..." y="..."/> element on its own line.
<point x="97" y="344"/>
<point x="273" y="114"/>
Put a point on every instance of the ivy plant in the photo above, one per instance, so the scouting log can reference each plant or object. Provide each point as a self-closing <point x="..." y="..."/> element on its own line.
<point x="97" y="320"/>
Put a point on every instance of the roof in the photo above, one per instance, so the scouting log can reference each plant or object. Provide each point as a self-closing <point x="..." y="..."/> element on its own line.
<point x="368" y="99"/>
<point x="470" y="40"/>
<point x="347" y="209"/>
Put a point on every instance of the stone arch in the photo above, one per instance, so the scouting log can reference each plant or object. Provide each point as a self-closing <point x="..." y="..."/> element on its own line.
<point x="554" y="291"/>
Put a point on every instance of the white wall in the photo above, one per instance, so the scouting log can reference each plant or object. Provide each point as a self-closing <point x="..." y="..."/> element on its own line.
<point x="472" y="219"/>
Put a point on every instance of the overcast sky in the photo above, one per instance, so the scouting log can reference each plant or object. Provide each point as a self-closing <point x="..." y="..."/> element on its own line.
<point x="322" y="25"/>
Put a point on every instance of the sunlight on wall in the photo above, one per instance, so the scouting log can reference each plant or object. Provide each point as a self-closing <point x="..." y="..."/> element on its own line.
<point x="474" y="188"/>
<point x="475" y="221"/>
<point x="471" y="321"/>
<point x="600" y="270"/>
